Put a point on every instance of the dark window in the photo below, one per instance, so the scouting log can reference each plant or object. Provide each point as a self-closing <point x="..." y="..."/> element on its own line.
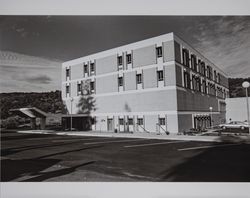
<point x="186" y="80"/>
<point x="203" y="69"/>
<point x="67" y="73"/>
<point x="160" y="75"/>
<point x="194" y="82"/>
<point x="92" y="86"/>
<point x="193" y="62"/>
<point x="121" y="121"/>
<point x="129" y="58"/>
<point x="159" y="51"/>
<point x="119" y="59"/>
<point x="140" y="121"/>
<point x="120" y="81"/>
<point x="185" y="56"/>
<point x="85" y="68"/>
<point x="92" y="67"/>
<point x="67" y="89"/>
<point x="204" y="87"/>
<point x="162" y="121"/>
<point x="219" y="78"/>
<point x="79" y="87"/>
<point x="138" y="78"/>
<point x="130" y="121"/>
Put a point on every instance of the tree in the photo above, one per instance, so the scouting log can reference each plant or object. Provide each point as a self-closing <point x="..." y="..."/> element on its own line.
<point x="86" y="102"/>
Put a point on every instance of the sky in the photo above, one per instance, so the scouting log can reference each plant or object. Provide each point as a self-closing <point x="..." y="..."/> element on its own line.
<point x="32" y="48"/>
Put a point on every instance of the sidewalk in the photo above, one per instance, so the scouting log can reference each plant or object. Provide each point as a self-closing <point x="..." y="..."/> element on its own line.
<point x="128" y="135"/>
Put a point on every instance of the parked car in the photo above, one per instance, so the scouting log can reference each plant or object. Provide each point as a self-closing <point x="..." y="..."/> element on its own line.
<point x="234" y="125"/>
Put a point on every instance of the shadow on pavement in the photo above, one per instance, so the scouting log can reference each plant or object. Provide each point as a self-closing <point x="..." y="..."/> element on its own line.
<point x="13" y="169"/>
<point x="11" y="151"/>
<point x="23" y="136"/>
<point x="216" y="164"/>
<point x="51" y="174"/>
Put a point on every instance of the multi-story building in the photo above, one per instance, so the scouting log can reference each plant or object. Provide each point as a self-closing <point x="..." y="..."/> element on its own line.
<point x="155" y="85"/>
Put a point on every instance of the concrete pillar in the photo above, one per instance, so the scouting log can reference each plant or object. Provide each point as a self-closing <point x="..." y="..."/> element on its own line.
<point x="33" y="123"/>
<point x="42" y="123"/>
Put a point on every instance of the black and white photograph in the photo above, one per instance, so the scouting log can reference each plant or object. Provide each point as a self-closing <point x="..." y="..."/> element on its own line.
<point x="125" y="99"/>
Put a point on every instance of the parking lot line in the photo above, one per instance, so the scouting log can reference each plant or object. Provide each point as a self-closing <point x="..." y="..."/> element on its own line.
<point x="204" y="147"/>
<point x="153" y="144"/>
<point x="79" y="139"/>
<point x="115" y="141"/>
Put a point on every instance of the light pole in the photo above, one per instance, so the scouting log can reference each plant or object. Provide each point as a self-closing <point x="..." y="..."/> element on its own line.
<point x="211" y="115"/>
<point x="71" y="101"/>
<point x="246" y="84"/>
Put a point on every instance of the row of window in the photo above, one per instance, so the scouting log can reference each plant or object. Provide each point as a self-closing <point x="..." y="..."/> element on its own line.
<point x="140" y="121"/>
<point x="200" y="67"/>
<point x="202" y="86"/>
<point x="91" y="88"/>
<point x="139" y="78"/>
<point x="90" y="70"/>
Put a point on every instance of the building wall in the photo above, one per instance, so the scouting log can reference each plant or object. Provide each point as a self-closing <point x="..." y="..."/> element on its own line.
<point x="185" y="122"/>
<point x="190" y="101"/>
<point x="149" y="78"/>
<point x="144" y="56"/>
<point x="106" y="64"/>
<point x="130" y="81"/>
<point x="236" y="109"/>
<point x="168" y="97"/>
<point x="163" y="100"/>
<point x="77" y="72"/>
<point x="107" y="84"/>
<point x="168" y="51"/>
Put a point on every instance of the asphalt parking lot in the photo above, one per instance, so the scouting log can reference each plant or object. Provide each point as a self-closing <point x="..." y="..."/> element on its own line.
<point x="40" y="157"/>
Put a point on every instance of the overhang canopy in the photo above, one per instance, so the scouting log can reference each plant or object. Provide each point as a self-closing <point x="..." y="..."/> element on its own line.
<point x="31" y="112"/>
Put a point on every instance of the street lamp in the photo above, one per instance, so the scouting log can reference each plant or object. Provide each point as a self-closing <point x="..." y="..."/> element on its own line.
<point x="71" y="101"/>
<point x="211" y="114"/>
<point x="246" y="84"/>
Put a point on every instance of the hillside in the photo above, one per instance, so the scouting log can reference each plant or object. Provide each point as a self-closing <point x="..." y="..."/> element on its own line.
<point x="46" y="101"/>
<point x="51" y="101"/>
<point x="235" y="87"/>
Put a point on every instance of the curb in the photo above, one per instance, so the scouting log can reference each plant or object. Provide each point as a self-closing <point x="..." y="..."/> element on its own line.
<point x="150" y="136"/>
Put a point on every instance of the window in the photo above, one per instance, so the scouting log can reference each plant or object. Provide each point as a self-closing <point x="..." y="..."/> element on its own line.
<point x="67" y="89"/>
<point x="120" y="81"/>
<point x="186" y="80"/>
<point x="209" y="72"/>
<point x="185" y="57"/>
<point x="67" y="73"/>
<point x="140" y="121"/>
<point x="79" y="87"/>
<point x="203" y="69"/>
<point x="129" y="58"/>
<point x="219" y="78"/>
<point x="121" y="121"/>
<point x="130" y="121"/>
<point x="92" y="67"/>
<point x="215" y="76"/>
<point x="162" y="121"/>
<point x="159" y="51"/>
<point x="92" y="86"/>
<point x="160" y="75"/>
<point x="85" y="68"/>
<point x="193" y="62"/>
<point x="119" y="59"/>
<point x="138" y="78"/>
<point x="204" y="87"/>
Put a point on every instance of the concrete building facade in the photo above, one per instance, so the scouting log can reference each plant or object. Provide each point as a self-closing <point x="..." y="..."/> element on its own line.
<point x="155" y="85"/>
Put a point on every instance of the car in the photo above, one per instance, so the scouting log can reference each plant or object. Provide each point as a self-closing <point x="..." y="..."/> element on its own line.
<point x="234" y="125"/>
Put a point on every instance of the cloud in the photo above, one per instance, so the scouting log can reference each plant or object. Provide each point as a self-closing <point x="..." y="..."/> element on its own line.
<point x="40" y="79"/>
<point x="19" y="72"/>
<point x="226" y="42"/>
